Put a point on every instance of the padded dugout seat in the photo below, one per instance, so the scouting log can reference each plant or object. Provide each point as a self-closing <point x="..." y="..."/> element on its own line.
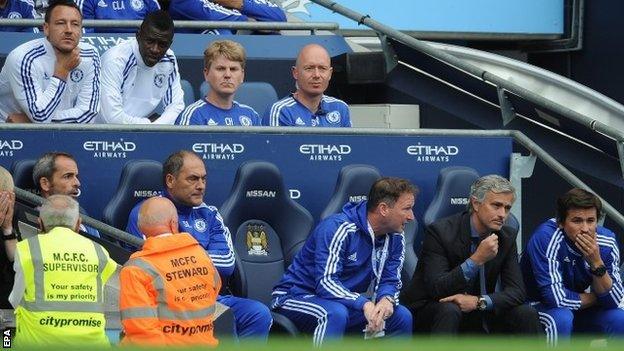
<point x="139" y="180"/>
<point x="353" y="185"/>
<point x="189" y="93"/>
<point x="452" y="195"/>
<point x="258" y="95"/>
<point x="268" y="229"/>
<point x="452" y="190"/>
<point x="22" y="172"/>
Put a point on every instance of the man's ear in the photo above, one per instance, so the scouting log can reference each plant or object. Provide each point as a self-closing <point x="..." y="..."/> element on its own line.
<point x="169" y="178"/>
<point x="44" y="184"/>
<point x="383" y="208"/>
<point x="41" y="226"/>
<point x="473" y="203"/>
<point x="173" y="225"/>
<point x="78" y="223"/>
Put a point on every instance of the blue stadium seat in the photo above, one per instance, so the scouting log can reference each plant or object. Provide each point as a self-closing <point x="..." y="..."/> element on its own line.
<point x="451" y="196"/>
<point x="259" y="197"/>
<point x="189" y="96"/>
<point x="353" y="184"/>
<point x="268" y="229"/>
<point x="452" y="190"/>
<point x="189" y="93"/>
<point x="22" y="172"/>
<point x="139" y="180"/>
<point x="258" y="95"/>
<point x="411" y="254"/>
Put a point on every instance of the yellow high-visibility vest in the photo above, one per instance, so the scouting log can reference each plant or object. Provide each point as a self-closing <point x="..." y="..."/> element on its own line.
<point x="63" y="303"/>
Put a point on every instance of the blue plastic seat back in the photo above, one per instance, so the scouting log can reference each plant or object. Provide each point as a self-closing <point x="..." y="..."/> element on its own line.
<point x="22" y="172"/>
<point x="139" y="180"/>
<point x="259" y="193"/>
<point x="452" y="190"/>
<point x="353" y="185"/>
<point x="258" y="95"/>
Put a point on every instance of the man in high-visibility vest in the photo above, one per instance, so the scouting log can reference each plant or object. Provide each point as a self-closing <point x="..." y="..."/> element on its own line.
<point x="7" y="252"/>
<point x="58" y="292"/>
<point x="169" y="288"/>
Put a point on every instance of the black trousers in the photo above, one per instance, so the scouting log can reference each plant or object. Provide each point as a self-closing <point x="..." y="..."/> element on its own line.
<point x="447" y="319"/>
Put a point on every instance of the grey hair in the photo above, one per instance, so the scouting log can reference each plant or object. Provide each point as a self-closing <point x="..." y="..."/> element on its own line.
<point x="493" y="183"/>
<point x="59" y="211"/>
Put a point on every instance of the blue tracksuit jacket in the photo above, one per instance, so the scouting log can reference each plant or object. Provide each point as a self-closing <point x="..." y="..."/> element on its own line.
<point x="336" y="261"/>
<point x="555" y="272"/>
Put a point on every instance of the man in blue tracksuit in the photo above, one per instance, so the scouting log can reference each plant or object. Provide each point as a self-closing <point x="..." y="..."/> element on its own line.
<point x="184" y="177"/>
<point x="226" y="10"/>
<point x="347" y="276"/>
<point x="566" y="256"/>
<point x="308" y="106"/>
<point x="116" y="10"/>
<point x="17" y="9"/>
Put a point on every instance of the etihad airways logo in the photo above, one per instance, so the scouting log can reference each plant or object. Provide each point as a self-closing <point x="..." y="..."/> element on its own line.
<point x="432" y="153"/>
<point x="325" y="152"/>
<point x="218" y="151"/>
<point x="109" y="149"/>
<point x="8" y="146"/>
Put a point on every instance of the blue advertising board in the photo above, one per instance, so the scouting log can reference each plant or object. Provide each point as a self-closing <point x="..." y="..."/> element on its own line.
<point x="466" y="16"/>
<point x="309" y="163"/>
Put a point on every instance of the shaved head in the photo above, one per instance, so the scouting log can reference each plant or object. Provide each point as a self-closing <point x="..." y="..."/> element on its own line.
<point x="6" y="180"/>
<point x="312" y="72"/>
<point x="157" y="215"/>
<point x="313" y="50"/>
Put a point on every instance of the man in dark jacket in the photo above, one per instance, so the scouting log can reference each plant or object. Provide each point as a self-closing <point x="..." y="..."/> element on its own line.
<point x="455" y="286"/>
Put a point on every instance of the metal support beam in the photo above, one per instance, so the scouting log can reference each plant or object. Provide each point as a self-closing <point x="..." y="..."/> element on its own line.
<point x="620" y="148"/>
<point x="388" y="51"/>
<point x="520" y="167"/>
<point x="507" y="110"/>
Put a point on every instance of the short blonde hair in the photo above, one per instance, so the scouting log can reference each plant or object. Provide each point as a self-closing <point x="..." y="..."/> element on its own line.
<point x="229" y="49"/>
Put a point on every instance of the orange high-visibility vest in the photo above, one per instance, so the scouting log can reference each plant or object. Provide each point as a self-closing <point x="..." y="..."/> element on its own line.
<point x="168" y="293"/>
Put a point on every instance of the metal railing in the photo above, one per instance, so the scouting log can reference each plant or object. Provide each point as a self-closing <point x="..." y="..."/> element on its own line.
<point x="93" y="223"/>
<point x="384" y="30"/>
<point x="311" y="26"/>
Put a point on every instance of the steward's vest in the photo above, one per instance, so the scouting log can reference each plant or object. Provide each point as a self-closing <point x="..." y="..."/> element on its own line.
<point x="64" y="277"/>
<point x="168" y="293"/>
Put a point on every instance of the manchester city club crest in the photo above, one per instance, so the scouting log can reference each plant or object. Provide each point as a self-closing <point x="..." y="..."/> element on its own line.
<point x="200" y="225"/>
<point x="76" y="75"/>
<point x="333" y="117"/>
<point x="159" y="80"/>
<point x="244" y="121"/>
<point x="137" y="5"/>
<point x="257" y="244"/>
